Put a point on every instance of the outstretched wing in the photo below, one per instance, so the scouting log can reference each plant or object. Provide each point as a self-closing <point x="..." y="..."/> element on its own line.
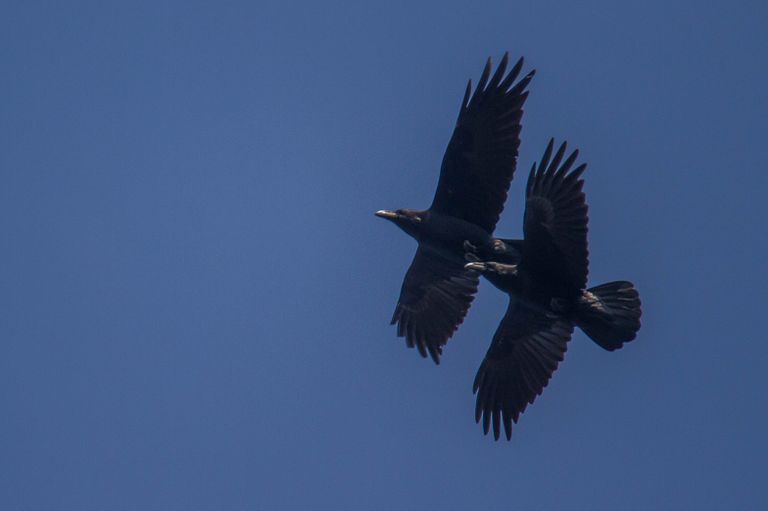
<point x="434" y="299"/>
<point x="481" y="156"/>
<point x="555" y="226"/>
<point x="525" y="351"/>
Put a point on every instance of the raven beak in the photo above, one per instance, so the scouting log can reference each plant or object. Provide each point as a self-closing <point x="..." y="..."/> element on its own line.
<point x="477" y="266"/>
<point x="385" y="213"/>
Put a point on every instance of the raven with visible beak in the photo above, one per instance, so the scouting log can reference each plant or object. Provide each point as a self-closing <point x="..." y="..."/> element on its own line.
<point x="547" y="296"/>
<point x="476" y="171"/>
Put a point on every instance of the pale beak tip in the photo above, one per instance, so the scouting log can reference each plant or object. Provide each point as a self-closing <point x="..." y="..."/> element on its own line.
<point x="383" y="213"/>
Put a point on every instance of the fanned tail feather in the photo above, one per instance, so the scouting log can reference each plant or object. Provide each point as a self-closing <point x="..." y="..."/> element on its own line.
<point x="609" y="314"/>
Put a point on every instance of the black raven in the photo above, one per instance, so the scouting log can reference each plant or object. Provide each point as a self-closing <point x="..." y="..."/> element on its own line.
<point x="474" y="178"/>
<point x="547" y="295"/>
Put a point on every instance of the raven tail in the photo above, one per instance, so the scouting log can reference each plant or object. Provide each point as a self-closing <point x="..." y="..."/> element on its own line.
<point x="609" y="314"/>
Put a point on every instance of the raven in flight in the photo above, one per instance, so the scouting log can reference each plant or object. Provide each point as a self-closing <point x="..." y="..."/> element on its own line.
<point x="474" y="178"/>
<point x="546" y="283"/>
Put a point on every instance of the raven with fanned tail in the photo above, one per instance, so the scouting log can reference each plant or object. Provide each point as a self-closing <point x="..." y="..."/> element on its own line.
<point x="474" y="179"/>
<point x="546" y="281"/>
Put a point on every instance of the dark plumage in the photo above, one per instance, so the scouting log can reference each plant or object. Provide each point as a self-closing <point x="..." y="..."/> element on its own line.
<point x="548" y="296"/>
<point x="474" y="178"/>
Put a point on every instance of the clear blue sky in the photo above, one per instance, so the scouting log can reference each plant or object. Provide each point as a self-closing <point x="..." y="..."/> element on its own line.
<point x="195" y="294"/>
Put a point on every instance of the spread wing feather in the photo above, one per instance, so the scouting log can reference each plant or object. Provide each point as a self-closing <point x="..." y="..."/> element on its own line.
<point x="555" y="248"/>
<point x="526" y="349"/>
<point x="434" y="299"/>
<point x="481" y="156"/>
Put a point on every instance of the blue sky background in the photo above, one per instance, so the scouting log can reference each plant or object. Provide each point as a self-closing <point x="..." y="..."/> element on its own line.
<point x="195" y="294"/>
